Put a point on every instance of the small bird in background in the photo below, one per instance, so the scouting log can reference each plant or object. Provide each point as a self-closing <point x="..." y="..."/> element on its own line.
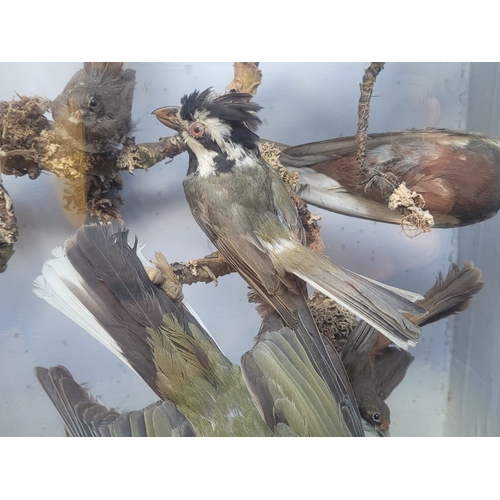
<point x="100" y="282"/>
<point x="376" y="368"/>
<point x="457" y="173"/>
<point x="93" y="113"/>
<point x="245" y="209"/>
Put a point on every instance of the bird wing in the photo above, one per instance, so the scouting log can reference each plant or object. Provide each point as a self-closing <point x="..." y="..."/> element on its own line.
<point x="317" y="152"/>
<point x="84" y="416"/>
<point x="291" y="395"/>
<point x="100" y="283"/>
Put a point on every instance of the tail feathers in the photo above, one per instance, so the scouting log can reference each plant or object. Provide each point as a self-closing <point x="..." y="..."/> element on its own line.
<point x="99" y="282"/>
<point x="321" y="191"/>
<point x="378" y="305"/>
<point x="451" y="294"/>
<point x="64" y="289"/>
<point x="84" y="416"/>
<point x="446" y="297"/>
<point x="291" y="395"/>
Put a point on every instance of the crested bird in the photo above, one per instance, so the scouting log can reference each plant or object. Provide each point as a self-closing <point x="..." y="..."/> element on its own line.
<point x="100" y="282"/>
<point x="457" y="173"/>
<point x="376" y="368"/>
<point x="93" y="112"/>
<point x="245" y="209"/>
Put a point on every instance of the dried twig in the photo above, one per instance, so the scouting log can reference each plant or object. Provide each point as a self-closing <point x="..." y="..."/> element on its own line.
<point x="414" y="220"/>
<point x="366" y="89"/>
<point x="247" y="78"/>
<point x="206" y="269"/>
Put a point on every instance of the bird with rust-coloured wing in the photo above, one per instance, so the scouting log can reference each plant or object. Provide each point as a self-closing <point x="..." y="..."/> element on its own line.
<point x="456" y="172"/>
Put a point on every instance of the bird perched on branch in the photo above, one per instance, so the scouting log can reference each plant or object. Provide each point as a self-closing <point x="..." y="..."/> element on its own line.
<point x="100" y="282"/>
<point x="457" y="174"/>
<point x="93" y="113"/>
<point x="244" y="207"/>
<point x="376" y="368"/>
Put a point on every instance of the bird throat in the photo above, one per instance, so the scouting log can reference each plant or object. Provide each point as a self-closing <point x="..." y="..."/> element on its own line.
<point x="207" y="158"/>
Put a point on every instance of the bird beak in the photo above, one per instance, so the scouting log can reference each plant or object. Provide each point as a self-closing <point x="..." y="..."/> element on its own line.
<point x="168" y="116"/>
<point x="383" y="428"/>
<point x="381" y="432"/>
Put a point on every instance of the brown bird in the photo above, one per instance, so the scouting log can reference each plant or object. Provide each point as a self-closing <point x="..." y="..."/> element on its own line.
<point x="457" y="173"/>
<point x="375" y="367"/>
<point x="93" y="112"/>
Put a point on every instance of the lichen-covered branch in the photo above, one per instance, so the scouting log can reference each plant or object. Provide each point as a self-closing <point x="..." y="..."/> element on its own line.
<point x="29" y="146"/>
<point x="205" y="270"/>
<point x="143" y="156"/>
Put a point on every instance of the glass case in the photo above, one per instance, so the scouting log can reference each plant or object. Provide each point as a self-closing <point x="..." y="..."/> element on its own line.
<point x="452" y="387"/>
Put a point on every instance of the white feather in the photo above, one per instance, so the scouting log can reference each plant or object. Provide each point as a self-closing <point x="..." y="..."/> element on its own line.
<point x="52" y="286"/>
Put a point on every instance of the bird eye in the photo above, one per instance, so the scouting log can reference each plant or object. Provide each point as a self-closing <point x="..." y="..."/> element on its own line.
<point x="196" y="129"/>
<point x="376" y="417"/>
<point x="93" y="103"/>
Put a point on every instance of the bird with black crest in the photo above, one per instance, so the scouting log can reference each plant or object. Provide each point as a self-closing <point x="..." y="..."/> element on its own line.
<point x="245" y="209"/>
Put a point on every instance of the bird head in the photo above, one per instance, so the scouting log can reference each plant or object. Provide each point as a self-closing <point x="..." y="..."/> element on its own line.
<point x="375" y="412"/>
<point x="85" y="107"/>
<point x="218" y="130"/>
<point x="96" y="105"/>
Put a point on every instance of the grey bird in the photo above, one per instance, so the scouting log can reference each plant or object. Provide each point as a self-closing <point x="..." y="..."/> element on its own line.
<point x="376" y="368"/>
<point x="93" y="112"/>
<point x="100" y="282"/>
<point x="244" y="208"/>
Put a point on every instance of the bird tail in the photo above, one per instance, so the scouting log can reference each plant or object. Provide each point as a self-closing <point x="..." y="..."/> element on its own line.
<point x="452" y="294"/>
<point x="99" y="282"/>
<point x="85" y="416"/>
<point x="446" y="297"/>
<point x="379" y="305"/>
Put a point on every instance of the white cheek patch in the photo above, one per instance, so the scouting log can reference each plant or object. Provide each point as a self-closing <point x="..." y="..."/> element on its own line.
<point x="206" y="164"/>
<point x="220" y="133"/>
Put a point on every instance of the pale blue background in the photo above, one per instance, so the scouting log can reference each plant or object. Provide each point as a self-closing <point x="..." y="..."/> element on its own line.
<point x="302" y="102"/>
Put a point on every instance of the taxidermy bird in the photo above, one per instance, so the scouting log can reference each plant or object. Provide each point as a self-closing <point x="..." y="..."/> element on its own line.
<point x="100" y="282"/>
<point x="244" y="208"/>
<point x="93" y="113"/>
<point x="457" y="173"/>
<point x="376" y="368"/>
